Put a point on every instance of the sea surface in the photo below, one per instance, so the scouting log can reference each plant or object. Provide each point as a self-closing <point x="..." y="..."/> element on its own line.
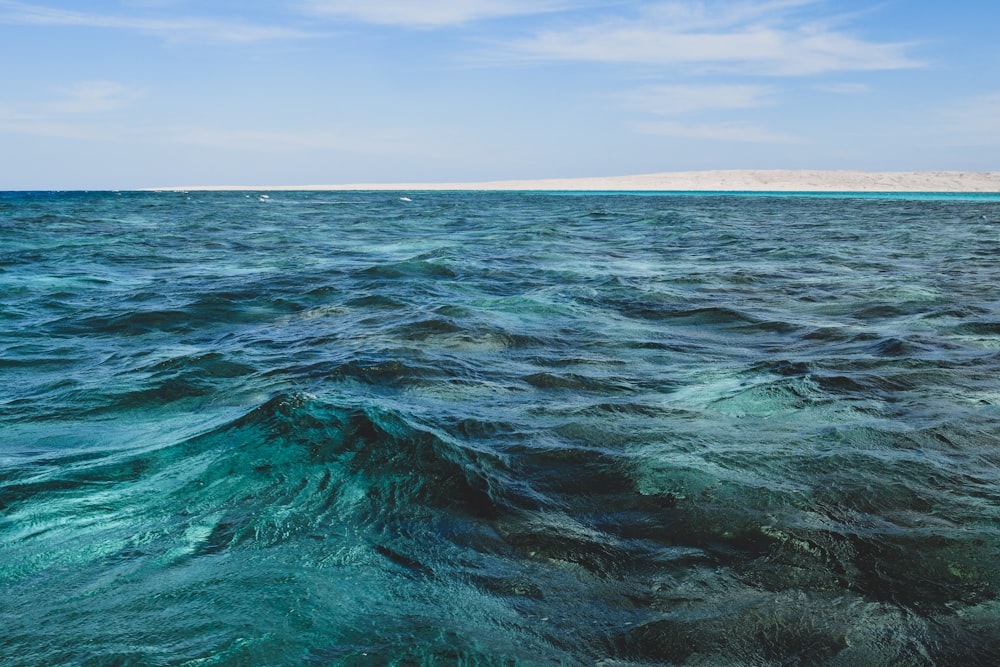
<point x="315" y="428"/>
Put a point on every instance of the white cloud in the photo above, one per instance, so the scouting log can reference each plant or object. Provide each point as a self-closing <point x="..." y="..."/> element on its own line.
<point x="734" y="131"/>
<point x="219" y="30"/>
<point x="770" y="38"/>
<point x="672" y="100"/>
<point x="431" y="13"/>
<point x="844" y="88"/>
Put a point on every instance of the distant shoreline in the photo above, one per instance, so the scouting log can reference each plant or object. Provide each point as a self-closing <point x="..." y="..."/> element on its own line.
<point x="738" y="180"/>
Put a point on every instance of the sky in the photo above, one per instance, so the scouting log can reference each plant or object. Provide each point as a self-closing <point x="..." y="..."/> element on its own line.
<point x="120" y="94"/>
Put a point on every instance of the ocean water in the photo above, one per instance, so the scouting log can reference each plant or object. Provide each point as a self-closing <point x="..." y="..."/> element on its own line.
<point x="499" y="429"/>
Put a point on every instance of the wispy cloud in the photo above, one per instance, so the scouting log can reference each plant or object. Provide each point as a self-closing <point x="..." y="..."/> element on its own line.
<point x="76" y="112"/>
<point x="40" y="126"/>
<point x="687" y="15"/>
<point x="676" y="101"/>
<point x="729" y="131"/>
<point x="750" y="37"/>
<point x="672" y="100"/>
<point x="248" y="140"/>
<point x="973" y="121"/>
<point x="843" y="88"/>
<point x="431" y="13"/>
<point x="85" y="98"/>
<point x="218" y="30"/>
<point x="88" y="97"/>
<point x="9" y="114"/>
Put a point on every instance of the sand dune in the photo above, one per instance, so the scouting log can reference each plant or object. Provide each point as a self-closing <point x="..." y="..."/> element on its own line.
<point x="741" y="180"/>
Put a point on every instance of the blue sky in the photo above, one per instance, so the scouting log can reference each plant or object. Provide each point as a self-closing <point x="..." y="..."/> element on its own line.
<point x="137" y="93"/>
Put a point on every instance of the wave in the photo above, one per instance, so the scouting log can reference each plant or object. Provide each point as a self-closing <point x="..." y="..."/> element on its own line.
<point x="314" y="461"/>
<point x="368" y="494"/>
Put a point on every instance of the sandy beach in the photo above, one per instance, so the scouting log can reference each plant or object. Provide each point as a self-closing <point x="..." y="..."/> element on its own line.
<point x="742" y="180"/>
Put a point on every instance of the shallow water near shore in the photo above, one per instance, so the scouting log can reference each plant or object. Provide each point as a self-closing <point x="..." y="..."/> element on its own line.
<point x="321" y="428"/>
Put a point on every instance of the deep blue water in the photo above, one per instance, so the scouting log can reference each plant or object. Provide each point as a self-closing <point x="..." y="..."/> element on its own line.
<point x="499" y="429"/>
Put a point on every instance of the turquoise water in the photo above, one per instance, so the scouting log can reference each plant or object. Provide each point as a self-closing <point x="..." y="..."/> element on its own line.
<point x="498" y="429"/>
